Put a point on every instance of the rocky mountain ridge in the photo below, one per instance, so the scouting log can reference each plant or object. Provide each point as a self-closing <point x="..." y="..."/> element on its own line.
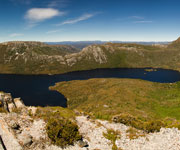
<point x="40" y="58"/>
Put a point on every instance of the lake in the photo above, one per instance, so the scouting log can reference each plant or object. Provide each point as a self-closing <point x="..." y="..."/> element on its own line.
<point x="34" y="89"/>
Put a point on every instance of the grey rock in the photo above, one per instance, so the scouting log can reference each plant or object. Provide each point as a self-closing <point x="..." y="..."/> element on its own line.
<point x="83" y="143"/>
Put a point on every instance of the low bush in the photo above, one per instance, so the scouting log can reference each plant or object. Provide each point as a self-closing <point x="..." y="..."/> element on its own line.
<point x="62" y="132"/>
<point x="2" y="110"/>
<point x="129" y="120"/>
<point x="112" y="136"/>
<point x="147" y="126"/>
<point x="153" y="126"/>
<point x="133" y="133"/>
<point x="17" y="110"/>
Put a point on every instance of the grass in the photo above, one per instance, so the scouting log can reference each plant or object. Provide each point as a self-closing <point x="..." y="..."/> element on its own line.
<point x="54" y="113"/>
<point x="145" y="101"/>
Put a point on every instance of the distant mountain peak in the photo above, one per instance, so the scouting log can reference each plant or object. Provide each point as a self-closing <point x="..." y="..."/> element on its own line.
<point x="175" y="44"/>
<point x="36" y="43"/>
<point x="177" y="41"/>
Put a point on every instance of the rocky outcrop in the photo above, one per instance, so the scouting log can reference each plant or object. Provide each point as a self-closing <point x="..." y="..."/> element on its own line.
<point x="22" y="131"/>
<point x="8" y="103"/>
<point x="93" y="53"/>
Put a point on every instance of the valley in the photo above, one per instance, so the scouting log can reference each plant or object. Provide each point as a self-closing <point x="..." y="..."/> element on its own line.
<point x="115" y="96"/>
<point x="89" y="75"/>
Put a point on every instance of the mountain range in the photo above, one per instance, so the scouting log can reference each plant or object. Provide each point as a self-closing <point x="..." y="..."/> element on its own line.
<point x="20" y="57"/>
<point x="82" y="44"/>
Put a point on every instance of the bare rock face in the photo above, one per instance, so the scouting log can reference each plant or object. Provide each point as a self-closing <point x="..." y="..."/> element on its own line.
<point x="11" y="107"/>
<point x="8" y="103"/>
<point x="19" y="103"/>
<point x="93" y="53"/>
<point x="9" y="139"/>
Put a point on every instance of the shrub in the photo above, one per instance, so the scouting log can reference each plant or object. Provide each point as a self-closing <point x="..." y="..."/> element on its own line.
<point x="17" y="110"/>
<point x="112" y="136"/>
<point x="153" y="126"/>
<point x="2" y="110"/>
<point x="148" y="126"/>
<point x="62" y="132"/>
<point x="129" y="120"/>
<point x="133" y="133"/>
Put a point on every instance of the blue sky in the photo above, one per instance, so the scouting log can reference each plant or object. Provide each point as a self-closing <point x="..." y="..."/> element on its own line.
<point x="83" y="20"/>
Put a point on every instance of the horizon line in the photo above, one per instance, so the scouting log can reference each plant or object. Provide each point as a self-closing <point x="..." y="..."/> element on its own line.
<point x="81" y="41"/>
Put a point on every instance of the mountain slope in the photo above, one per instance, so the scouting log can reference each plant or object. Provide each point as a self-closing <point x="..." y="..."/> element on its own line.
<point x="175" y="44"/>
<point x="40" y="58"/>
<point x="31" y="57"/>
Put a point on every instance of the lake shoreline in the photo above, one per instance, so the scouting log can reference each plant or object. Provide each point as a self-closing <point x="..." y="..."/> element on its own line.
<point x="34" y="89"/>
<point x="153" y="68"/>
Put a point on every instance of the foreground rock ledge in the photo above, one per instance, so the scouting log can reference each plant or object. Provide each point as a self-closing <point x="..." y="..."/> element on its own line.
<point x="19" y="131"/>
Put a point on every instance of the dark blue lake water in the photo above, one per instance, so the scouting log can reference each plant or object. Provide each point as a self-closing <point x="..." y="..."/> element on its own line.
<point x="33" y="89"/>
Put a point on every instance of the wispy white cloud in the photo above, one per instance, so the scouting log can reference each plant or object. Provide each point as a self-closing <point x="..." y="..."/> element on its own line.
<point x="16" y="34"/>
<point x="76" y="20"/>
<point x="139" y="19"/>
<point x="41" y="14"/>
<point x="130" y="18"/>
<point x="143" y="21"/>
<point x="136" y="17"/>
<point x="53" y="31"/>
<point x="36" y="15"/>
